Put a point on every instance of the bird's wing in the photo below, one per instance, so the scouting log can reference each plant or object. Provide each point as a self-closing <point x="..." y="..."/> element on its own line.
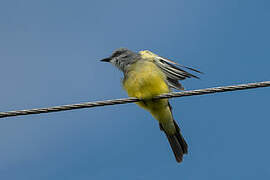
<point x="173" y="72"/>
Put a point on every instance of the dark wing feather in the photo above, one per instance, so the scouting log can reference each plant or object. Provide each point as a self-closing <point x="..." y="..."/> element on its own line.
<point x="174" y="84"/>
<point x="174" y="73"/>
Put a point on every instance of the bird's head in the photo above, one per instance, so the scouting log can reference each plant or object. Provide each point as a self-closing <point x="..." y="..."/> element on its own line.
<point x="122" y="58"/>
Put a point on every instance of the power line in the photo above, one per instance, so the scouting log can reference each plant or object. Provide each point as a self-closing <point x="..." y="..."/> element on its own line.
<point x="131" y="100"/>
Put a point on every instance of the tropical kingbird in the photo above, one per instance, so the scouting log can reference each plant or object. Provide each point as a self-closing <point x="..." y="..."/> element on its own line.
<point x="147" y="75"/>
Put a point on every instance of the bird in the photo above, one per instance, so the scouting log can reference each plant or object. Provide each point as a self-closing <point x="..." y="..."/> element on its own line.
<point x="147" y="75"/>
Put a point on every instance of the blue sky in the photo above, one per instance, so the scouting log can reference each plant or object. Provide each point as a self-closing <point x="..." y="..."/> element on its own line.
<point x="49" y="54"/>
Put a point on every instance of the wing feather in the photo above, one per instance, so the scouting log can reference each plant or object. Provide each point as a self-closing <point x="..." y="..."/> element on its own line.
<point x="174" y="73"/>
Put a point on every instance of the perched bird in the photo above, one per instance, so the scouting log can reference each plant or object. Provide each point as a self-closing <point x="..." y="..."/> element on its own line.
<point x="147" y="75"/>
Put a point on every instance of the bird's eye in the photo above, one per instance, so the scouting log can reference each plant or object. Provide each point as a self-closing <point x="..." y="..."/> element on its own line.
<point x="116" y="54"/>
<point x="125" y="56"/>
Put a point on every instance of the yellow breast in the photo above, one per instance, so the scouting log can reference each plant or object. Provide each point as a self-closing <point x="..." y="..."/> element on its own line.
<point x="145" y="80"/>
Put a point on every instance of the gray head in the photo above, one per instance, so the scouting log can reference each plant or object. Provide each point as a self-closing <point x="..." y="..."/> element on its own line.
<point x="122" y="58"/>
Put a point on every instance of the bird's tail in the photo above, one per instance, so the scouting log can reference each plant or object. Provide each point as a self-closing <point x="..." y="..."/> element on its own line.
<point x="177" y="142"/>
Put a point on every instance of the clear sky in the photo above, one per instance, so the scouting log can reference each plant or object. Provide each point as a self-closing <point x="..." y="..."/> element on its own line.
<point x="49" y="54"/>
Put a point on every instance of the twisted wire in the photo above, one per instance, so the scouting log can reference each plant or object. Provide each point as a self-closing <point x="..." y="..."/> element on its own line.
<point x="132" y="99"/>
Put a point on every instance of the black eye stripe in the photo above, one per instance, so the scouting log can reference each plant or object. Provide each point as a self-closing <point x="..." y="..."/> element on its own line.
<point x="125" y="56"/>
<point x="116" y="54"/>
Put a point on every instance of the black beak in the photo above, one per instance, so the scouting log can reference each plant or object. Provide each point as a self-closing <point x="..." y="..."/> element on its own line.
<point x="106" y="60"/>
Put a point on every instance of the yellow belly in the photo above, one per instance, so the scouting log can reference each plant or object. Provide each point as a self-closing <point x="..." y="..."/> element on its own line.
<point x="145" y="80"/>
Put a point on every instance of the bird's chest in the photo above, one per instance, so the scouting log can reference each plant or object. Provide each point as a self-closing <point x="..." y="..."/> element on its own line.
<point x="145" y="80"/>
